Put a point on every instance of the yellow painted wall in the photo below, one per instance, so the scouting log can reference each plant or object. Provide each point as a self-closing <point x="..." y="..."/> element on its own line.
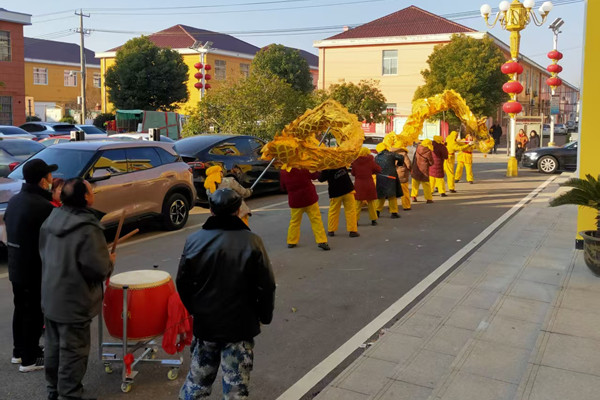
<point x="365" y="62"/>
<point x="232" y="73"/>
<point x="589" y="139"/>
<point x="55" y="90"/>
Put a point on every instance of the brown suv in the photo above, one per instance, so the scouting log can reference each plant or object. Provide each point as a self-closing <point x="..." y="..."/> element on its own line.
<point x="142" y="178"/>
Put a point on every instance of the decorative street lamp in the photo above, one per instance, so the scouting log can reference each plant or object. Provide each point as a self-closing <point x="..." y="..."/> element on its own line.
<point x="201" y="66"/>
<point x="554" y="81"/>
<point x="514" y="17"/>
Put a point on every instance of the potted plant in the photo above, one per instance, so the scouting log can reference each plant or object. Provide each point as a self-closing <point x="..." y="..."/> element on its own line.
<point x="585" y="192"/>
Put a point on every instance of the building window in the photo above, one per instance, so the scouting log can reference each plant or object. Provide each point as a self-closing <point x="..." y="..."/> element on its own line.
<point x="245" y="70"/>
<point x="40" y="76"/>
<point x="390" y="62"/>
<point x="6" y="110"/>
<point x="220" y="72"/>
<point x="70" y="78"/>
<point x="97" y="80"/>
<point x="5" y="52"/>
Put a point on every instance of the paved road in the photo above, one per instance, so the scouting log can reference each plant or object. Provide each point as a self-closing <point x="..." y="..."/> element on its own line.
<point x="323" y="298"/>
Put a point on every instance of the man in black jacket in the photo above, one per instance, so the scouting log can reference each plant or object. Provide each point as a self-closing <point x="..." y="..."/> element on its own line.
<point x="225" y="281"/>
<point x="24" y="216"/>
<point x="341" y="191"/>
<point x="76" y="262"/>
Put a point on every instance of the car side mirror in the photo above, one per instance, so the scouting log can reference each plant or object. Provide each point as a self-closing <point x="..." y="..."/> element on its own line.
<point x="100" y="174"/>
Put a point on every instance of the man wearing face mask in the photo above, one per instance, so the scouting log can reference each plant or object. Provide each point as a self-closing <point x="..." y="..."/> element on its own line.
<point x="24" y="216"/>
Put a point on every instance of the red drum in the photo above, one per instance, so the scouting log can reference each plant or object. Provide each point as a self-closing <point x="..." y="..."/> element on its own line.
<point x="147" y="301"/>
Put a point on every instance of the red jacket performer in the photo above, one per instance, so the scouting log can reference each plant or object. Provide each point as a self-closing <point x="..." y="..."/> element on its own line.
<point x="303" y="198"/>
<point x="363" y="169"/>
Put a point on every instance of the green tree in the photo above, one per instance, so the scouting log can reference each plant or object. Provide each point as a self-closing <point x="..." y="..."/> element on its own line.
<point x="363" y="99"/>
<point x="147" y="77"/>
<point x="260" y="105"/>
<point x="472" y="68"/>
<point x="285" y="63"/>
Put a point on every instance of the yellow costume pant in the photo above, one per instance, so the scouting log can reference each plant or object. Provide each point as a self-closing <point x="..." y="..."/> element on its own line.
<point x="335" y="207"/>
<point x="465" y="160"/>
<point x="392" y="204"/>
<point x="426" y="189"/>
<point x="371" y="206"/>
<point x="314" y="215"/>
<point x="438" y="183"/>
<point x="449" y="170"/>
<point x="405" y="199"/>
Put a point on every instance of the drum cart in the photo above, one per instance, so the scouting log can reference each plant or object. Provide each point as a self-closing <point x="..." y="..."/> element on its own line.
<point x="148" y="349"/>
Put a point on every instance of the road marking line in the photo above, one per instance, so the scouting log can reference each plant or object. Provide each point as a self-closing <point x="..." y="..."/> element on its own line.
<point x="318" y="373"/>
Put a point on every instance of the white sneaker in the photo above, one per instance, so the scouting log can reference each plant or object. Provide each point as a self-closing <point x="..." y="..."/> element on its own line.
<point x="38" y="365"/>
<point x="15" y="360"/>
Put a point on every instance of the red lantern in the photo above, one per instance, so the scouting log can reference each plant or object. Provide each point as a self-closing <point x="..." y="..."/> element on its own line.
<point x="511" y="67"/>
<point x="198" y="85"/>
<point x="208" y="77"/>
<point x="198" y="65"/>
<point x="512" y="107"/>
<point x="554" y="68"/>
<point x="554" y="81"/>
<point x="207" y="67"/>
<point x="207" y="86"/>
<point x="512" y="87"/>
<point x="198" y="75"/>
<point x="555" y="55"/>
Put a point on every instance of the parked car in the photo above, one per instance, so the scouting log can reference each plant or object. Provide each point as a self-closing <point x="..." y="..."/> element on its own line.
<point x="91" y="129"/>
<point x="45" y="129"/>
<point x="571" y="126"/>
<point x="52" y="140"/>
<point x="140" y="136"/>
<point x="552" y="159"/>
<point x="14" y="132"/>
<point x="371" y="141"/>
<point x="560" y="129"/>
<point x="546" y="130"/>
<point x="15" y="151"/>
<point x="238" y="155"/>
<point x="146" y="179"/>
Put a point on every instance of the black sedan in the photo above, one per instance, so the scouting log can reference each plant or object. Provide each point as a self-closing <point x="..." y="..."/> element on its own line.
<point x="552" y="159"/>
<point x="238" y="155"/>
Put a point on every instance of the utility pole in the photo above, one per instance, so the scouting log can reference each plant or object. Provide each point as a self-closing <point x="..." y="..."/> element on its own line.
<point x="82" y="33"/>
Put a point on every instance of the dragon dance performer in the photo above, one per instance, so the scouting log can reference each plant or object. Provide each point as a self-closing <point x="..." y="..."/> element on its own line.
<point x="404" y="177"/>
<point x="303" y="198"/>
<point x="436" y="171"/>
<point x="453" y="146"/>
<point x="215" y="180"/>
<point x="363" y="169"/>
<point x="465" y="161"/>
<point x="341" y="191"/>
<point x="420" y="170"/>
<point x="388" y="186"/>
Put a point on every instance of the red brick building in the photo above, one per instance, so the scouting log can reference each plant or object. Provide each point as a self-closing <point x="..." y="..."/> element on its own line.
<point x="12" y="67"/>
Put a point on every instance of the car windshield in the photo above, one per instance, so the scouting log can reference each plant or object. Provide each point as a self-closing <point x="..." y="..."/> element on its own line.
<point x="63" y="128"/>
<point x="71" y="162"/>
<point x="91" y="129"/>
<point x="191" y="146"/>
<point x="373" y="140"/>
<point x="570" y="145"/>
<point x="13" y="130"/>
<point x="21" y="147"/>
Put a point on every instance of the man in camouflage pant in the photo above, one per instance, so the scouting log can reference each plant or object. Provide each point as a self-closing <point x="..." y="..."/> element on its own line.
<point x="225" y="281"/>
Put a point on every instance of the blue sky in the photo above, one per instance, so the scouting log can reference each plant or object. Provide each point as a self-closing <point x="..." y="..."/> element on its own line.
<point x="294" y="23"/>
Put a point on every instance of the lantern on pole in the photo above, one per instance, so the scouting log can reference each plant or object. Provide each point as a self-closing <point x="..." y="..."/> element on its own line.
<point x="554" y="81"/>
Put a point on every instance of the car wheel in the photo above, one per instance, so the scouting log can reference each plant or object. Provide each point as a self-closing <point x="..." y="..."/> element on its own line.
<point x="547" y="165"/>
<point x="175" y="213"/>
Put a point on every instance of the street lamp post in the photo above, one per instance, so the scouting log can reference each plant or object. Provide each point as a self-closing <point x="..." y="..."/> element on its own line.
<point x="514" y="17"/>
<point x="202" y="50"/>
<point x="554" y="70"/>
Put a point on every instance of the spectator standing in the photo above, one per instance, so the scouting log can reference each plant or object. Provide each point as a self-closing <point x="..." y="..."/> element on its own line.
<point x="496" y="132"/>
<point x="363" y="169"/>
<point x="225" y="281"/>
<point x="215" y="180"/>
<point x="534" y="140"/>
<point x="75" y="264"/>
<point x="24" y="216"/>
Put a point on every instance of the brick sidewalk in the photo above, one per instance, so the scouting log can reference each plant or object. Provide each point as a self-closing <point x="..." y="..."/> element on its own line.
<point x="516" y="320"/>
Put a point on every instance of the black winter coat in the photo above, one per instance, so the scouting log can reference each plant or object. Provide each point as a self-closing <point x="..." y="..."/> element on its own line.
<point x="225" y="281"/>
<point x="387" y="182"/>
<point x="338" y="180"/>
<point x="24" y="216"/>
